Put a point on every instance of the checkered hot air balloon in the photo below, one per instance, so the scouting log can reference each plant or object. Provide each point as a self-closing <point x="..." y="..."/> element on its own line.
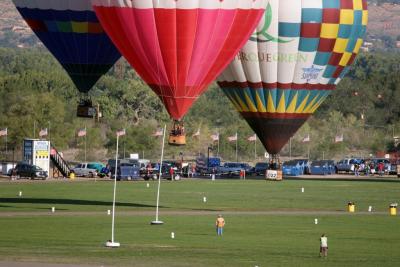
<point x="298" y="54"/>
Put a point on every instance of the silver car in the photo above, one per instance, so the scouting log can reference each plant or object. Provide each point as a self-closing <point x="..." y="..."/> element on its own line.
<point x="84" y="170"/>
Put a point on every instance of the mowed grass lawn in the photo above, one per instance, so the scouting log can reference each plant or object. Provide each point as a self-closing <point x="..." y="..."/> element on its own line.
<point x="249" y="240"/>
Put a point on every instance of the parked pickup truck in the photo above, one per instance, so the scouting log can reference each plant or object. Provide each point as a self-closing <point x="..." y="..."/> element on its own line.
<point x="347" y="165"/>
<point x="233" y="168"/>
<point x="87" y="169"/>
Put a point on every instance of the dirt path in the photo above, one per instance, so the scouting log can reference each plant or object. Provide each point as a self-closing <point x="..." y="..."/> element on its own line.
<point x="187" y="213"/>
<point x="39" y="264"/>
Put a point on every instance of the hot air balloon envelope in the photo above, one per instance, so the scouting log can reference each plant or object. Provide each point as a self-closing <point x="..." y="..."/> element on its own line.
<point x="295" y="58"/>
<point x="179" y="47"/>
<point x="71" y="32"/>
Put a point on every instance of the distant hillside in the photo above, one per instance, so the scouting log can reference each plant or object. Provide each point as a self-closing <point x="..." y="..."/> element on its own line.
<point x="383" y="28"/>
<point x="384" y="19"/>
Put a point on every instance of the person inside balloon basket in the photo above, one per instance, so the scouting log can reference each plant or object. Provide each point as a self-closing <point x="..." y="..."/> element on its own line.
<point x="219" y="224"/>
<point x="273" y="165"/>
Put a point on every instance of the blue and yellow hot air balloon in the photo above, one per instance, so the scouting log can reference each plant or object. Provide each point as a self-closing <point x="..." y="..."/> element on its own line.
<point x="298" y="54"/>
<point x="71" y="32"/>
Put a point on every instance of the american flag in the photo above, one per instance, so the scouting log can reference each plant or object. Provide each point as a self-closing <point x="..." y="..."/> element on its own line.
<point x="252" y="138"/>
<point x="215" y="137"/>
<point x="306" y="139"/>
<point x="121" y="132"/>
<point x="4" y="132"/>
<point x="233" y="138"/>
<point x="196" y="133"/>
<point x="82" y="132"/>
<point x="338" y="138"/>
<point x="158" y="132"/>
<point x="43" y="132"/>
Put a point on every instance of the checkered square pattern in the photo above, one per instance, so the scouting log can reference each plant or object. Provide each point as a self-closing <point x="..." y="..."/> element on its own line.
<point x="335" y="33"/>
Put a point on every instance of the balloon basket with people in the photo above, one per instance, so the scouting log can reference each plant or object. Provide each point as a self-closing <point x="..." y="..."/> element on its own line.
<point x="86" y="109"/>
<point x="274" y="170"/>
<point x="177" y="136"/>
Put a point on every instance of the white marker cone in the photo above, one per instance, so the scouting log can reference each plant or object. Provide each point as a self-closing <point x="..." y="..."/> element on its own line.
<point x="20" y="194"/>
<point x="204" y="199"/>
<point x="147" y="185"/>
<point x="53" y="209"/>
<point x="108" y="212"/>
<point x="316" y="221"/>
<point x="370" y="209"/>
<point x="172" y="235"/>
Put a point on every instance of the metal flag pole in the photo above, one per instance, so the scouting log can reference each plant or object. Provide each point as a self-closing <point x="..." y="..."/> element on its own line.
<point x="218" y="146"/>
<point x="111" y="243"/>
<point x="255" y="148"/>
<point x="157" y="222"/>
<point x="49" y="131"/>
<point x="6" y="144"/>
<point x="236" y="147"/>
<point x="85" y="142"/>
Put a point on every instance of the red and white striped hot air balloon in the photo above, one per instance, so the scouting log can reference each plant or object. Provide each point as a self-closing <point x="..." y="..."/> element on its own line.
<point x="179" y="47"/>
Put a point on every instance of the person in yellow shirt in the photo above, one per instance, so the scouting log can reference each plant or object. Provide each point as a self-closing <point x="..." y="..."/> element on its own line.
<point x="220" y="223"/>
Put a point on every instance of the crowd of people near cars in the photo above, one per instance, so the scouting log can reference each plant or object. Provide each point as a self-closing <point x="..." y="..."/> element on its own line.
<point x="370" y="168"/>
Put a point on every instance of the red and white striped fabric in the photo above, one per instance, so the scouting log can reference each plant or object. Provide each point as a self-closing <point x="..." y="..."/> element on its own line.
<point x="82" y="132"/>
<point x="179" y="46"/>
<point x="196" y="134"/>
<point x="121" y="132"/>
<point x="339" y="138"/>
<point x="4" y="132"/>
<point x="233" y="138"/>
<point x="215" y="137"/>
<point x="306" y="139"/>
<point x="252" y="138"/>
<point x="43" y="132"/>
<point x="158" y="132"/>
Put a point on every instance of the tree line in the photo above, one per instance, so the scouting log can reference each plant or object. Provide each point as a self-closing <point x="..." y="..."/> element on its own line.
<point x="36" y="93"/>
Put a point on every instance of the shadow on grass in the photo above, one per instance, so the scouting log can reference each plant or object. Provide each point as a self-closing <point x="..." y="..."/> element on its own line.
<point x="206" y="209"/>
<point x="71" y="202"/>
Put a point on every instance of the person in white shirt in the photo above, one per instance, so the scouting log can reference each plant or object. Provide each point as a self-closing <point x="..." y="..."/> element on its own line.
<point x="323" y="250"/>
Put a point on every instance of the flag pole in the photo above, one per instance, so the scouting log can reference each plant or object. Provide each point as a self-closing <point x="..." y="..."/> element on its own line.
<point x="255" y="148"/>
<point x="157" y="222"/>
<point x="6" y="144"/>
<point x="236" y="147"/>
<point x="218" y="145"/>
<point x="85" y="142"/>
<point x="49" y="132"/>
<point x="112" y="243"/>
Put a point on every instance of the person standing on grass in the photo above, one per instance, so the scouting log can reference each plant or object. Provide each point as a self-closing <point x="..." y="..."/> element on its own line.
<point x="323" y="249"/>
<point x="220" y="223"/>
<point x="171" y="173"/>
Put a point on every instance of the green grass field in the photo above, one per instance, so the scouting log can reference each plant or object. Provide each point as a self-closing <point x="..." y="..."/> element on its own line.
<point x="288" y="237"/>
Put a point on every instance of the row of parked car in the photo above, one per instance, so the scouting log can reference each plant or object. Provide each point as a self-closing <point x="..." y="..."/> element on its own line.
<point x="130" y="169"/>
<point x="348" y="165"/>
<point x="298" y="167"/>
